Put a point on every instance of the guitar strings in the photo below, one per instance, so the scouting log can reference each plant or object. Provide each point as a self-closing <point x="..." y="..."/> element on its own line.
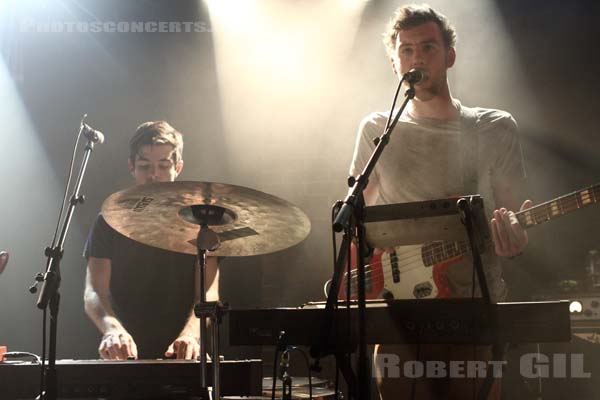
<point x="438" y="253"/>
<point x="387" y="275"/>
<point x="565" y="204"/>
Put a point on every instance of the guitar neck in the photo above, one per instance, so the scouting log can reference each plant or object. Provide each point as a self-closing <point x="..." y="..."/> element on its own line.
<point x="436" y="252"/>
<point x="558" y="207"/>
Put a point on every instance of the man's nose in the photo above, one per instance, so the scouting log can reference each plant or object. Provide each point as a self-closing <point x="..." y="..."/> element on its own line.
<point x="153" y="173"/>
<point x="418" y="58"/>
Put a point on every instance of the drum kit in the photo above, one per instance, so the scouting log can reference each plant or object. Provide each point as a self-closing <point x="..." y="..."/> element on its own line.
<point x="208" y="219"/>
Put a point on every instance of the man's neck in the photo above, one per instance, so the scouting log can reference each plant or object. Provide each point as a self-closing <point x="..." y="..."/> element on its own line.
<point x="440" y="106"/>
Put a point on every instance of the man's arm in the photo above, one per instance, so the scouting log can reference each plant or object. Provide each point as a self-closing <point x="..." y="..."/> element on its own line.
<point x="510" y="239"/>
<point x="117" y="343"/>
<point x="187" y="344"/>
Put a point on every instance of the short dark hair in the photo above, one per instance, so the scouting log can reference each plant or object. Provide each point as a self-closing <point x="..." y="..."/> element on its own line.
<point x="412" y="15"/>
<point x="155" y="133"/>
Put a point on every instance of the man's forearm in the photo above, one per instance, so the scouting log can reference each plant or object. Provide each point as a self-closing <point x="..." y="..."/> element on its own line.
<point x="101" y="313"/>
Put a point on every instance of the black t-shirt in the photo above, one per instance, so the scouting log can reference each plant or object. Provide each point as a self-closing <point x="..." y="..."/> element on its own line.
<point x="152" y="290"/>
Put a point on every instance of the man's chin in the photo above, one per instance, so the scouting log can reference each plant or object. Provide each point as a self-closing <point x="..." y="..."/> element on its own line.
<point x="424" y="95"/>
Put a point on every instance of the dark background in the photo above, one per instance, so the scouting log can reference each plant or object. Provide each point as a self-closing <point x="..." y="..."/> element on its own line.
<point x="248" y="122"/>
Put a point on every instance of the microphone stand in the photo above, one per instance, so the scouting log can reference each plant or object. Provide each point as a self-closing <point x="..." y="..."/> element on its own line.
<point x="49" y="295"/>
<point x="350" y="219"/>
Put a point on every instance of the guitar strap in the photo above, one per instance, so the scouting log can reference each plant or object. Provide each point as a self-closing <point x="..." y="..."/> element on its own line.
<point x="469" y="143"/>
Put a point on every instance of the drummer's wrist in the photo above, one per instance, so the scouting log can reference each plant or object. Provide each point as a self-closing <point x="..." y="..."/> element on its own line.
<point x="112" y="324"/>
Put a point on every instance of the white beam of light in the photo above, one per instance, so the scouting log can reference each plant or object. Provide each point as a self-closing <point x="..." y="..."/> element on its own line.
<point x="279" y="59"/>
<point x="29" y="196"/>
<point x="488" y="71"/>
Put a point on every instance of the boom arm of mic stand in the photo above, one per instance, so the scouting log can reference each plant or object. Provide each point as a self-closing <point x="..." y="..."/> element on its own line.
<point x="349" y="204"/>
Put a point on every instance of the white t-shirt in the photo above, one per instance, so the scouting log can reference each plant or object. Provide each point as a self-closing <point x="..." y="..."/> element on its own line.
<point x="427" y="159"/>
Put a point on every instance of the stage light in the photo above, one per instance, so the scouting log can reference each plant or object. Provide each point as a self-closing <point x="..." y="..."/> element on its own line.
<point x="575" y="307"/>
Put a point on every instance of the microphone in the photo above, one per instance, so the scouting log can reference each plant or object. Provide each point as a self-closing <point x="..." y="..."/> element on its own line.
<point x="91" y="134"/>
<point x="414" y="76"/>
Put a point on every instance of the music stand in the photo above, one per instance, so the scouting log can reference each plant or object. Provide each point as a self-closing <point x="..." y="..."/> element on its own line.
<point x="452" y="219"/>
<point x="422" y="222"/>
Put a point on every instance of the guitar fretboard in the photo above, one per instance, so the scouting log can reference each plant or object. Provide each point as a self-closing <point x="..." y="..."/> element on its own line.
<point x="437" y="252"/>
<point x="559" y="206"/>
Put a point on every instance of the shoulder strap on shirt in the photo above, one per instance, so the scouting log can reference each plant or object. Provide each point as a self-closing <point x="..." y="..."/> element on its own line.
<point x="469" y="154"/>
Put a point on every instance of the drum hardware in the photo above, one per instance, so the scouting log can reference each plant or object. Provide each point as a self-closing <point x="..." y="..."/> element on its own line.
<point x="164" y="215"/>
<point x="226" y="220"/>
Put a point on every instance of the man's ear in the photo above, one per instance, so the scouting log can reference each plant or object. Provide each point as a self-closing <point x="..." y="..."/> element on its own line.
<point x="179" y="167"/>
<point x="395" y="67"/>
<point x="450" y="57"/>
<point x="131" y="167"/>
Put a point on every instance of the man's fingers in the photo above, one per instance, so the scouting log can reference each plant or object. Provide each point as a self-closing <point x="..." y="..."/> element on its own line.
<point x="502" y="236"/>
<point x="189" y="351"/>
<point x="133" y="348"/>
<point x="518" y="232"/>
<point x="107" y="348"/>
<point x="125" y="342"/>
<point x="113" y="350"/>
<point x="496" y="236"/>
<point x="181" y="347"/>
<point x="526" y="204"/>
<point x="184" y="349"/>
<point x="507" y="231"/>
<point x="117" y="346"/>
<point x="170" y="351"/>
<point x="103" y="351"/>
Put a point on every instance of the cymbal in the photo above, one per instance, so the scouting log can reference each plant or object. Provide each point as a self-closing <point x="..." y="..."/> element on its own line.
<point x="167" y="215"/>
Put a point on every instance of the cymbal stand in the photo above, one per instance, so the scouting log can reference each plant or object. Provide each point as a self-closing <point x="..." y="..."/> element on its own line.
<point x="208" y="240"/>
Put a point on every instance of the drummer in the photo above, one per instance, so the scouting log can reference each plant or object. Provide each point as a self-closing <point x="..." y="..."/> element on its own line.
<point x="141" y="298"/>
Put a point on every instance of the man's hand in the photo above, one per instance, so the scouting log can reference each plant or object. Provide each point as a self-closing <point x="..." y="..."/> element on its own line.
<point x="185" y="347"/>
<point x="117" y="345"/>
<point x="509" y="237"/>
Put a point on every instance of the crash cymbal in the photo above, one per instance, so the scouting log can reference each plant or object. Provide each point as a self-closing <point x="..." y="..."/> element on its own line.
<point x="167" y="215"/>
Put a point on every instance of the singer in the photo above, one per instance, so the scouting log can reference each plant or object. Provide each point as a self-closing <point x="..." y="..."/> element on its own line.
<point x="439" y="149"/>
<point x="141" y="298"/>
